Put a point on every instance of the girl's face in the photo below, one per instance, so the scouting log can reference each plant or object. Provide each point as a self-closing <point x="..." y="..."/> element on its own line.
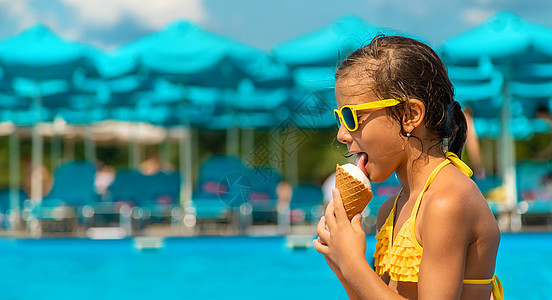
<point x="377" y="141"/>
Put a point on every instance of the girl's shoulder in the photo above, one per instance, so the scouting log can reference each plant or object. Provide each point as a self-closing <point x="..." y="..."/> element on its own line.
<point x="455" y="186"/>
<point x="453" y="195"/>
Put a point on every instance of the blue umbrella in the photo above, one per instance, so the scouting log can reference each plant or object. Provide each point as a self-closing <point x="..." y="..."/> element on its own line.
<point x="188" y="56"/>
<point x="40" y="56"/>
<point x="480" y="89"/>
<point x="116" y="89"/>
<point x="505" y="38"/>
<point x="258" y="107"/>
<point x="260" y="100"/>
<point x="518" y="49"/>
<point x="313" y="59"/>
<point x="521" y="50"/>
<point x="185" y="53"/>
<point x="502" y="35"/>
<point x="328" y="45"/>
<point x="8" y="105"/>
<point x="111" y="64"/>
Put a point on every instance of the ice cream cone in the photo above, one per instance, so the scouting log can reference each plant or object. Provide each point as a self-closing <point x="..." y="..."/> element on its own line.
<point x="354" y="193"/>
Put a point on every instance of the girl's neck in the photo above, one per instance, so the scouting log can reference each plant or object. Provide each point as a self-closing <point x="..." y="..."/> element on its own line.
<point x="417" y="167"/>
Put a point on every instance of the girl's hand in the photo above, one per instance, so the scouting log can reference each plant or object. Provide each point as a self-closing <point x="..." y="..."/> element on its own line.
<point x="323" y="235"/>
<point x="340" y="241"/>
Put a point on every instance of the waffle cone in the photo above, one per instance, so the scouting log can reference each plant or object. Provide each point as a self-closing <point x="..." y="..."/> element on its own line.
<point x="354" y="193"/>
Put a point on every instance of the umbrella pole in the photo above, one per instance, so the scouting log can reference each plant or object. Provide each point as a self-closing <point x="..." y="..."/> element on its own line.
<point x="292" y="159"/>
<point x="275" y="150"/>
<point x="508" y="159"/>
<point x="14" y="180"/>
<point x="248" y="145"/>
<point x="185" y="155"/>
<point x="37" y="149"/>
<point x="89" y="144"/>
<point x="488" y="154"/>
<point x="165" y="150"/>
<point x="195" y="153"/>
<point x="189" y="165"/>
<point x="130" y="153"/>
<point x="134" y="147"/>
<point x="55" y="149"/>
<point x="232" y="141"/>
<point x="69" y="148"/>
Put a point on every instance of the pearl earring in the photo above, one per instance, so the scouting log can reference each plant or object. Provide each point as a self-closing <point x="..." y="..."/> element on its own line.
<point x="408" y="134"/>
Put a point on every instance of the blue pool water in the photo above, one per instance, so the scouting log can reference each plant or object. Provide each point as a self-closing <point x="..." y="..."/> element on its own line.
<point x="217" y="268"/>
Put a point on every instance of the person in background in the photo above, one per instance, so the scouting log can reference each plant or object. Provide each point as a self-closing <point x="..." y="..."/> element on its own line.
<point x="105" y="175"/>
<point x="45" y="175"/>
<point x="473" y="147"/>
<point x="153" y="164"/>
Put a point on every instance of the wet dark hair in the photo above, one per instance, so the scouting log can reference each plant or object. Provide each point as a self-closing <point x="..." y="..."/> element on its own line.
<point x="401" y="67"/>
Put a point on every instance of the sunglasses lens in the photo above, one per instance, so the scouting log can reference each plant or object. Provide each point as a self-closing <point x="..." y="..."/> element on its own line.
<point x="348" y="117"/>
<point x="337" y="120"/>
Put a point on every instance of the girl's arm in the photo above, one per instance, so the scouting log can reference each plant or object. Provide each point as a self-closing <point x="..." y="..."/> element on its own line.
<point x="446" y="228"/>
<point x="348" y="288"/>
<point x="345" y="245"/>
<point x="323" y="235"/>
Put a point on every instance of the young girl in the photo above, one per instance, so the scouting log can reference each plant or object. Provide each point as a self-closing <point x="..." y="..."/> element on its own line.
<point x="437" y="237"/>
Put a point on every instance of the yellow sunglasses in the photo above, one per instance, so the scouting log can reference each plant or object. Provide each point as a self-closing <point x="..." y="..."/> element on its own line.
<point x="347" y="114"/>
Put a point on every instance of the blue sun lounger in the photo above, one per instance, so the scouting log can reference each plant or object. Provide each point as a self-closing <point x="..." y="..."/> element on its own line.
<point x="534" y="181"/>
<point x="223" y="185"/>
<point x="308" y="199"/>
<point x="264" y="199"/>
<point x="5" y="208"/>
<point x="72" y="191"/>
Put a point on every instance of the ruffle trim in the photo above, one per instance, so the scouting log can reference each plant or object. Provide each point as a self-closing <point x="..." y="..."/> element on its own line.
<point x="402" y="261"/>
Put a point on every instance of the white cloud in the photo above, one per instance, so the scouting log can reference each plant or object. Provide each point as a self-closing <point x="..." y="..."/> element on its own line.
<point x="419" y="9"/>
<point x="72" y="33"/>
<point x="19" y="10"/>
<point x="475" y="15"/>
<point x="152" y="14"/>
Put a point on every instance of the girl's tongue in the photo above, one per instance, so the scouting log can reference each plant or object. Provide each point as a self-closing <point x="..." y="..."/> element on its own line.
<point x="362" y="162"/>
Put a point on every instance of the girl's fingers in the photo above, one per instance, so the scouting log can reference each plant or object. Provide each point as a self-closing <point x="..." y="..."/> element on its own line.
<point x="323" y="233"/>
<point x="320" y="247"/>
<point x="356" y="222"/>
<point x="339" y="209"/>
<point x="330" y="217"/>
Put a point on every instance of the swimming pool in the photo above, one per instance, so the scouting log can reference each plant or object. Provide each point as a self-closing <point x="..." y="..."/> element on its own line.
<point x="217" y="268"/>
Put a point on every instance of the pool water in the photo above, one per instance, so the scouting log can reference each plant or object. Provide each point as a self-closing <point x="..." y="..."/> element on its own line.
<point x="524" y="265"/>
<point x="186" y="268"/>
<point x="217" y="268"/>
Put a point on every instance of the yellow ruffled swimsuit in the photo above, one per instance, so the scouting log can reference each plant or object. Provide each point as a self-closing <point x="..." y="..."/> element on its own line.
<point x="401" y="258"/>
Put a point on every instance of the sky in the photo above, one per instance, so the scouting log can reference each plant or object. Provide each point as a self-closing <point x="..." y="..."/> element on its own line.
<point x="260" y="23"/>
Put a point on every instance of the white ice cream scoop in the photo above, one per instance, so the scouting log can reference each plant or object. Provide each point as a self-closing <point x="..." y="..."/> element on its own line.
<point x="354" y="188"/>
<point x="357" y="174"/>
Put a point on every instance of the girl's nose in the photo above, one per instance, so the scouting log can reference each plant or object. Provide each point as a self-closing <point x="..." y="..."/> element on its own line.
<point x="343" y="135"/>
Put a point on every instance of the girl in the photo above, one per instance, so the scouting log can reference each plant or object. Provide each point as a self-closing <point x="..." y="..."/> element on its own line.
<point x="437" y="238"/>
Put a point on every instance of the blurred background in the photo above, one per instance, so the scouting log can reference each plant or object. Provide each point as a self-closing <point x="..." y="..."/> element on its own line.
<point x="152" y="125"/>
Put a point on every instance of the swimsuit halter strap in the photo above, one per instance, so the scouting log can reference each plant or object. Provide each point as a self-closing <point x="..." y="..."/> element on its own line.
<point x="457" y="162"/>
<point x="451" y="158"/>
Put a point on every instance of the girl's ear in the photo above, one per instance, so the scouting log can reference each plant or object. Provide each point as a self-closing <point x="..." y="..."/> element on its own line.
<point x="414" y="115"/>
